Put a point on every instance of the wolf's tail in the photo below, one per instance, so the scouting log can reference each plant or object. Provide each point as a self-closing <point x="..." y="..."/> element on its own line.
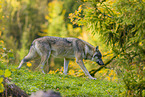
<point x="31" y="55"/>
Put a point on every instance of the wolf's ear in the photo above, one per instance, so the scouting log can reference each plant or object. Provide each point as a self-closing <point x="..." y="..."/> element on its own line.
<point x="97" y="48"/>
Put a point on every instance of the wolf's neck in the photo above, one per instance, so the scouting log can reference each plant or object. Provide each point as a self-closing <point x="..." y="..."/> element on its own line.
<point x="89" y="51"/>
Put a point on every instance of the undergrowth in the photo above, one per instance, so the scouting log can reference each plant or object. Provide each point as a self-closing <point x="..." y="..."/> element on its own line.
<point x="67" y="85"/>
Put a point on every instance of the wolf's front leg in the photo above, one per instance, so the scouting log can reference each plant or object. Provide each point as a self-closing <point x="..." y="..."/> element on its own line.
<point x="31" y="55"/>
<point x="66" y="62"/>
<point x="42" y="65"/>
<point x="81" y="64"/>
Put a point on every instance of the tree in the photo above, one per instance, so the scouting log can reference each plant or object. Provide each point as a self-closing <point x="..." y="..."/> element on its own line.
<point x="55" y="18"/>
<point x="23" y="23"/>
<point x="121" y="25"/>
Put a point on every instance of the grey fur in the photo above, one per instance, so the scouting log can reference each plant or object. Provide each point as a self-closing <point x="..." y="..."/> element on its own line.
<point x="66" y="48"/>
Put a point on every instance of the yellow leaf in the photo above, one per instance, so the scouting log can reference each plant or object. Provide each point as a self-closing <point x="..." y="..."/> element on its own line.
<point x="76" y="12"/>
<point x="140" y="43"/>
<point x="112" y="71"/>
<point x="70" y="14"/>
<point x="29" y="64"/>
<point x="46" y="17"/>
<point x="3" y="28"/>
<point x="100" y="71"/>
<point x="1" y="40"/>
<point x="13" y="70"/>
<point x="110" y="74"/>
<point x="108" y="78"/>
<point x="51" y="72"/>
<point x="1" y="72"/>
<point x="1" y="88"/>
<point x="1" y="79"/>
<point x="114" y="78"/>
<point x="7" y="73"/>
<point x="80" y="8"/>
<point x="0" y="33"/>
<point x="71" y="72"/>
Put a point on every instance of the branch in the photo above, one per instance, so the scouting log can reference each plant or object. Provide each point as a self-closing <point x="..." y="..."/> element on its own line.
<point x="92" y="72"/>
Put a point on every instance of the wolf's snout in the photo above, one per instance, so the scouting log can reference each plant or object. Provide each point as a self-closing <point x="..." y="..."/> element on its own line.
<point x="100" y="62"/>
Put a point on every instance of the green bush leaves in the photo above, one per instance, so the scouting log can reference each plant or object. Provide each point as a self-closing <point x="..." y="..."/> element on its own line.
<point x="7" y="73"/>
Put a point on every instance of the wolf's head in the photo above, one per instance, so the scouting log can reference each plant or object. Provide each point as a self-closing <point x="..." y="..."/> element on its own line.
<point x="97" y="57"/>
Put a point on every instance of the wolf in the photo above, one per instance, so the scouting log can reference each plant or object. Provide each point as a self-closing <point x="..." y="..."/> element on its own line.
<point x="67" y="48"/>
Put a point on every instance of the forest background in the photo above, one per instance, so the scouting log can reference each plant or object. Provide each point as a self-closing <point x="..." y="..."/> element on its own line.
<point x="116" y="26"/>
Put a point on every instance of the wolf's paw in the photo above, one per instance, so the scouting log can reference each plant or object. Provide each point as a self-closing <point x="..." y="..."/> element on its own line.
<point x="18" y="67"/>
<point x="64" y="73"/>
<point x="93" y="78"/>
<point x="43" y="72"/>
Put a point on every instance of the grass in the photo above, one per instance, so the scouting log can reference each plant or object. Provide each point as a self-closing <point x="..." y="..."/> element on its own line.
<point x="67" y="85"/>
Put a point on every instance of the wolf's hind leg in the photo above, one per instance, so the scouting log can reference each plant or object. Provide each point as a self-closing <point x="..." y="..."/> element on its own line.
<point x="43" y="61"/>
<point x="44" y="58"/>
<point x="31" y="55"/>
<point x="66" y="62"/>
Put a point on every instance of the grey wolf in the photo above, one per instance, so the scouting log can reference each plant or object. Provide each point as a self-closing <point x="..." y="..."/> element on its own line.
<point x="67" y="48"/>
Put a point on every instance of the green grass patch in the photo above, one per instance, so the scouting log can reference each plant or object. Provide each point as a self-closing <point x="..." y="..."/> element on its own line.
<point x="68" y="86"/>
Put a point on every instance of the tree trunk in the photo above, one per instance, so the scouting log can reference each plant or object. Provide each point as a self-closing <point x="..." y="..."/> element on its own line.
<point x="12" y="90"/>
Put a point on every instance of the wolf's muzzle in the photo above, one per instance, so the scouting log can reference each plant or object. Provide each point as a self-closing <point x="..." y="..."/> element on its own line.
<point x="100" y="62"/>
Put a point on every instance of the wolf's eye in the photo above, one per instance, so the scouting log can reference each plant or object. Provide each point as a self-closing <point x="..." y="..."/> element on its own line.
<point x="98" y="56"/>
<point x="95" y="56"/>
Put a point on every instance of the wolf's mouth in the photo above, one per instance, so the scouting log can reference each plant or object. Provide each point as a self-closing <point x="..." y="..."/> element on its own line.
<point x="100" y="62"/>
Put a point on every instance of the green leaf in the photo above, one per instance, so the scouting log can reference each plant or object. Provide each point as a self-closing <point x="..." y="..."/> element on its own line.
<point x="10" y="55"/>
<point x="7" y="73"/>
